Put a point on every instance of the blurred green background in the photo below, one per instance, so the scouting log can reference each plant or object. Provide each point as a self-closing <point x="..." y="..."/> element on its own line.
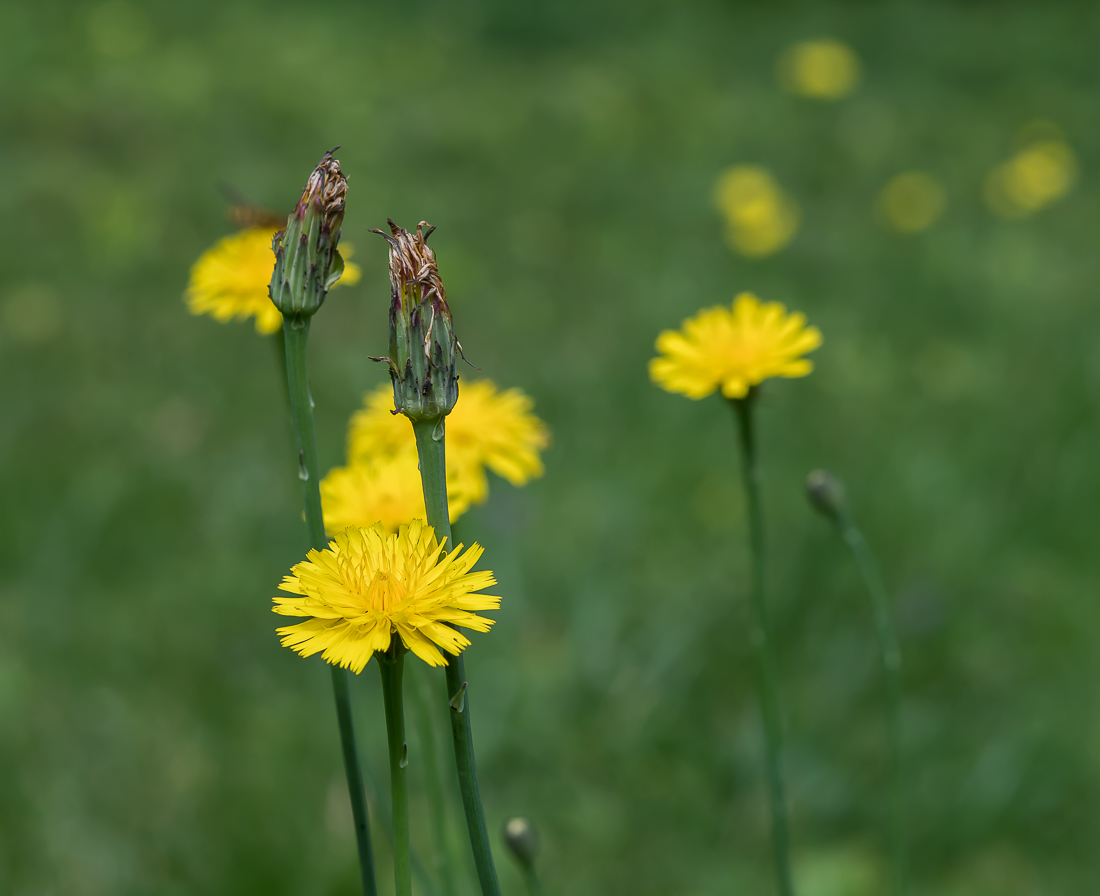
<point x="154" y="737"/>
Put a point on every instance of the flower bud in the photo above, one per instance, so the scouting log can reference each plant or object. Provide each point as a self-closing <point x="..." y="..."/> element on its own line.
<point x="306" y="261"/>
<point x="522" y="839"/>
<point x="424" y="351"/>
<point x="826" y="493"/>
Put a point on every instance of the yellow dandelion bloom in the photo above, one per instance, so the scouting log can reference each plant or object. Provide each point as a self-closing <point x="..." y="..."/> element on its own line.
<point x="487" y="428"/>
<point x="911" y="202"/>
<point x="367" y="586"/>
<point x="823" y="69"/>
<point x="230" y="280"/>
<point x="382" y="489"/>
<point x="760" y="218"/>
<point x="1036" y="176"/>
<point x="733" y="350"/>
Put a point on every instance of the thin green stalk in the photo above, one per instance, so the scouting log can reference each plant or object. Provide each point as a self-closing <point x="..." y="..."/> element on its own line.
<point x="437" y="803"/>
<point x="433" y="476"/>
<point x="296" y="336"/>
<point x="891" y="668"/>
<point x="534" y="886"/>
<point x="391" y="665"/>
<point x="765" y="664"/>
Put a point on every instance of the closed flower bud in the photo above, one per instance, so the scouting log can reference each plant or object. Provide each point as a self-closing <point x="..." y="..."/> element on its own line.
<point x="522" y="840"/>
<point x="307" y="263"/>
<point x="826" y="493"/>
<point x="424" y="351"/>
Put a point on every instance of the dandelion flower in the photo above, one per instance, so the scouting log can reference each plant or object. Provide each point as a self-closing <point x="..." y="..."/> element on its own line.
<point x="367" y="586"/>
<point x="733" y="350"/>
<point x="385" y="489"/>
<point x="760" y="218"/>
<point x="911" y="202"/>
<point x="823" y="69"/>
<point x="487" y="428"/>
<point x="231" y="279"/>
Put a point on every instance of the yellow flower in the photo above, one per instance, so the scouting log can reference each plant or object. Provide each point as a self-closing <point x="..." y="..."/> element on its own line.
<point x="382" y="489"/>
<point x="230" y="280"/>
<point x="487" y="428"/>
<point x="823" y="69"/>
<point x="368" y="585"/>
<point x="1036" y="176"/>
<point x="911" y="202"/>
<point x="760" y="218"/>
<point x="733" y="350"/>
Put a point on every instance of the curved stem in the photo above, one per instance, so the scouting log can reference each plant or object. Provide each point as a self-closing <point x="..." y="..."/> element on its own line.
<point x="765" y="663"/>
<point x="891" y="668"/>
<point x="296" y="336"/>
<point x="433" y="475"/>
<point x="391" y="665"/>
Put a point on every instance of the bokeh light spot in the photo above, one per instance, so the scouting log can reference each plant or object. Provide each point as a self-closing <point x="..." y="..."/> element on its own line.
<point x="911" y="202"/>
<point x="824" y="69"/>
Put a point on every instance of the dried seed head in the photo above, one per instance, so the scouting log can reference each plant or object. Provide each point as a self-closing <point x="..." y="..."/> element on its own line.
<point x="307" y="262"/>
<point x="423" y="348"/>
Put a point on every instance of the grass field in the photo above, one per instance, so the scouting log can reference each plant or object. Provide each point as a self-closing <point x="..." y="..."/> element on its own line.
<point x="154" y="736"/>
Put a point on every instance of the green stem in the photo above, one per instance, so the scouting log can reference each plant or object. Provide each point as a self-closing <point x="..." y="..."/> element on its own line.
<point x="296" y="335"/>
<point x="391" y="665"/>
<point x="437" y="803"/>
<point x="765" y="664"/>
<point x="534" y="886"/>
<point x="891" y="667"/>
<point x="433" y="476"/>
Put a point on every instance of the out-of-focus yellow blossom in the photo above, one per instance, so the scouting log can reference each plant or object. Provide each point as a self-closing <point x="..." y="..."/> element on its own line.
<point x="911" y="202"/>
<point x="760" y="218"/>
<point x="733" y="350"/>
<point x="369" y="585"/>
<point x="824" y="69"/>
<point x="231" y="279"/>
<point x="487" y="428"/>
<point x="382" y="489"/>
<point x="1041" y="172"/>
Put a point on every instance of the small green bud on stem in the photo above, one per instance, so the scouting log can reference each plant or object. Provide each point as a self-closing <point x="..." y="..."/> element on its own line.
<point x="826" y="493"/>
<point x="307" y="263"/>
<point x="522" y="839"/>
<point x="424" y="351"/>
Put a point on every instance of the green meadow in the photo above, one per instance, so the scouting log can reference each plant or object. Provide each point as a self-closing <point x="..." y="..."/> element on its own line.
<point x="154" y="736"/>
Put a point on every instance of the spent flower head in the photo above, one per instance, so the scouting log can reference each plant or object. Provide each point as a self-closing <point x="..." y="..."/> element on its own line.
<point x="368" y="586"/>
<point x="733" y="349"/>
<point x="307" y="263"/>
<point x="424" y="351"/>
<point x="488" y="428"/>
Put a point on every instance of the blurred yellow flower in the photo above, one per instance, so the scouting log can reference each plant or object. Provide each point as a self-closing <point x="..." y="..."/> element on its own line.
<point x="487" y="428"/>
<point x="911" y="202"/>
<point x="760" y="218"/>
<point x="824" y="69"/>
<point x="231" y="279"/>
<point x="1040" y="173"/>
<point x="367" y="586"/>
<point x="733" y="350"/>
<point x="383" y="489"/>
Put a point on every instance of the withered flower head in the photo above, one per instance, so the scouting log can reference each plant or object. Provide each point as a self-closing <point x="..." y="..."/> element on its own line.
<point x="307" y="263"/>
<point x="423" y="348"/>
